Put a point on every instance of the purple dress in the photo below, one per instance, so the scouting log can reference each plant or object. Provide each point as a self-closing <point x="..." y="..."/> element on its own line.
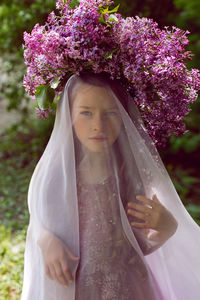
<point x="109" y="268"/>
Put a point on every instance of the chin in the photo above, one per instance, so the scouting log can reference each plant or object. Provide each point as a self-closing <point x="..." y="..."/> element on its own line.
<point x="97" y="149"/>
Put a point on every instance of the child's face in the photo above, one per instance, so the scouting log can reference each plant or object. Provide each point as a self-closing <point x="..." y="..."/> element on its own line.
<point x="95" y="117"/>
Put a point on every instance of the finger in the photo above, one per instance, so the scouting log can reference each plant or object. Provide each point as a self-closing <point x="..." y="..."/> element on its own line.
<point x="48" y="273"/>
<point x="52" y="272"/>
<point x="59" y="274"/>
<point x="71" y="255"/>
<point x="136" y="214"/>
<point x="155" y="198"/>
<point x="140" y="207"/>
<point x="144" y="225"/>
<point x="66" y="271"/>
<point x="146" y="200"/>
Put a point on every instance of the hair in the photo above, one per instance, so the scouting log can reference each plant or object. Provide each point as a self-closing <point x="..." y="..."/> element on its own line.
<point x="103" y="80"/>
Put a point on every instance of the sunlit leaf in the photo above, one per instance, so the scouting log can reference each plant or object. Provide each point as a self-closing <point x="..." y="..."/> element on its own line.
<point x="55" y="83"/>
<point x="107" y="11"/>
<point x="101" y="20"/>
<point x="44" y="96"/>
<point x="112" y="18"/>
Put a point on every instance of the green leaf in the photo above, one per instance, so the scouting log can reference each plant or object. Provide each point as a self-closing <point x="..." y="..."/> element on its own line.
<point x="74" y="3"/>
<point x="101" y="20"/>
<point x="58" y="97"/>
<point x="55" y="83"/>
<point x="109" y="55"/>
<point x="44" y="96"/>
<point x="107" y="11"/>
<point x="103" y="10"/>
<point x="112" y="18"/>
<point x="114" y="9"/>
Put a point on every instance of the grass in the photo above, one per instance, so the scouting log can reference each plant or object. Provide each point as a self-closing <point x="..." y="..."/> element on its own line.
<point x="11" y="262"/>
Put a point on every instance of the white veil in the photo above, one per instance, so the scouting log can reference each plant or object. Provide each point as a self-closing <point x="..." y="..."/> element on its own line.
<point x="172" y="271"/>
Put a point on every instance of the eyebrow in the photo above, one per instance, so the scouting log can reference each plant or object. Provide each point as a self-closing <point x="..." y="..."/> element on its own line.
<point x="94" y="107"/>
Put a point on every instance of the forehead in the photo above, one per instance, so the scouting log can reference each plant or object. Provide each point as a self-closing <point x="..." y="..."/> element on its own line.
<point x="93" y="96"/>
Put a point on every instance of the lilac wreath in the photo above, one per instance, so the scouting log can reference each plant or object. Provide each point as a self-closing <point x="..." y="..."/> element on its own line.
<point x="90" y="35"/>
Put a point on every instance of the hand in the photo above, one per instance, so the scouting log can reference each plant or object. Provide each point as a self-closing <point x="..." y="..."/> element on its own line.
<point x="154" y="215"/>
<point x="56" y="256"/>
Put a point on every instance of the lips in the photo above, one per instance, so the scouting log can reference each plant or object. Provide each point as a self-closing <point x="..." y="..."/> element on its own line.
<point x="98" y="138"/>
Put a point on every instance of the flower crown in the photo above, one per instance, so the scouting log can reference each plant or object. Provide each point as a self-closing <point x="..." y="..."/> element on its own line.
<point x="91" y="36"/>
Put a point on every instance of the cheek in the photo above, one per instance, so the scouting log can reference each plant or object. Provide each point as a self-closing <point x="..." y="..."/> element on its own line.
<point x="80" y="129"/>
<point x="114" y="129"/>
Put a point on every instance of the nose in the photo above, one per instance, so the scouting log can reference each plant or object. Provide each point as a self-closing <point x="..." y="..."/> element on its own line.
<point x="98" y="124"/>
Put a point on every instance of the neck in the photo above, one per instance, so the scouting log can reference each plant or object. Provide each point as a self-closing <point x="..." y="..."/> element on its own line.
<point x="94" y="166"/>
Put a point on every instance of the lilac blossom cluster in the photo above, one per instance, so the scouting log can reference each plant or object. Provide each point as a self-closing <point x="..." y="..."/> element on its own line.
<point x="150" y="62"/>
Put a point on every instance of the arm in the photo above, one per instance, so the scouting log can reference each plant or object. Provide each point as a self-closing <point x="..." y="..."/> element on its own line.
<point x="56" y="256"/>
<point x="154" y="216"/>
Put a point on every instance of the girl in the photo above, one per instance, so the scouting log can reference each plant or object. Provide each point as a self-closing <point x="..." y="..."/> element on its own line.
<point x="94" y="211"/>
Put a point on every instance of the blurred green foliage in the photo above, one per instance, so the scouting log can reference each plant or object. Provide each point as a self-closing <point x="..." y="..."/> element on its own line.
<point x="186" y="183"/>
<point x="16" y="17"/>
<point x="182" y="160"/>
<point x="11" y="89"/>
<point x="188" y="19"/>
<point x="11" y="263"/>
<point x="189" y="10"/>
<point x="21" y="146"/>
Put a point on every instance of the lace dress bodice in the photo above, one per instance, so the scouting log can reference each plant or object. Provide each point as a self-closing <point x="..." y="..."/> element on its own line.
<point x="110" y="268"/>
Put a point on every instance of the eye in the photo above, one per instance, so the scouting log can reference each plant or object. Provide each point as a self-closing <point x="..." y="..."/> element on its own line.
<point x="111" y="113"/>
<point x="86" y="113"/>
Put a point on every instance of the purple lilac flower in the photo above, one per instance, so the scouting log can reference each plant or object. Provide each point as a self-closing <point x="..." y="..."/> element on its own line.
<point x="151" y="62"/>
<point x="43" y="113"/>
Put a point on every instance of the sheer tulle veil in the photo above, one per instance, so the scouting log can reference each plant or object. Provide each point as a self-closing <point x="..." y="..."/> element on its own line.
<point x="136" y="168"/>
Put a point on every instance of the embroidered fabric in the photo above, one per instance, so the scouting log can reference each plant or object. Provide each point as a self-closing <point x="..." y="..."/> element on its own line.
<point x="109" y="268"/>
